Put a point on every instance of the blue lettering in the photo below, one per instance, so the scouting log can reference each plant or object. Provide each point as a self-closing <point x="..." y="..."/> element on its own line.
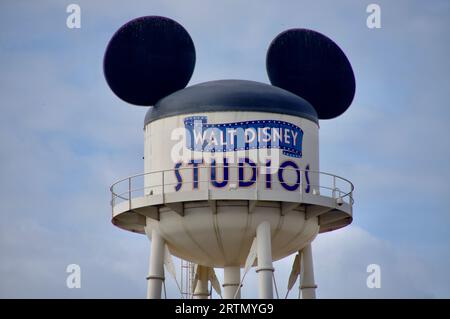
<point x="308" y="185"/>
<point x="214" y="182"/>
<point x="194" y="173"/>
<point x="268" y="175"/>
<point x="242" y="181"/>
<point x="178" y="176"/>
<point x="281" y="178"/>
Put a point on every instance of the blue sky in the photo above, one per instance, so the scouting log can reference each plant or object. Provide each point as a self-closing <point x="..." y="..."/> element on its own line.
<point x="65" y="138"/>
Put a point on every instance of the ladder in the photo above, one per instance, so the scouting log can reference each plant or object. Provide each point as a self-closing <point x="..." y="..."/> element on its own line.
<point x="187" y="276"/>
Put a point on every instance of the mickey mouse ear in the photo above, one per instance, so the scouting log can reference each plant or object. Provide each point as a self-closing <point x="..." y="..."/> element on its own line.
<point x="312" y="66"/>
<point x="147" y="59"/>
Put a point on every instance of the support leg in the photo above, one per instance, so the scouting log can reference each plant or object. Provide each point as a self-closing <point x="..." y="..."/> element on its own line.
<point x="265" y="267"/>
<point x="201" y="289"/>
<point x="231" y="282"/>
<point x="155" y="277"/>
<point x="307" y="284"/>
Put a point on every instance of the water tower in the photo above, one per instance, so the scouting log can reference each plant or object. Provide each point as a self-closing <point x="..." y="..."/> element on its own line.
<point x="231" y="167"/>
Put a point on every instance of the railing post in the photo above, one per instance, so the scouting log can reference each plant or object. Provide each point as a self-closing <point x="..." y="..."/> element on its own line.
<point x="129" y="193"/>
<point x="112" y="197"/>
<point x="300" y="171"/>
<point x="162" y="183"/>
<point x="334" y="186"/>
<point x="257" y="168"/>
<point x="208" y="182"/>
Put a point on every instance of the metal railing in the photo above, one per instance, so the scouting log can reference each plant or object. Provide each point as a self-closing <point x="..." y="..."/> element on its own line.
<point x="161" y="182"/>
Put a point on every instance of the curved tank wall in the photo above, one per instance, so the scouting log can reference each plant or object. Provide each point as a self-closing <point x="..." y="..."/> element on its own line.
<point x="223" y="152"/>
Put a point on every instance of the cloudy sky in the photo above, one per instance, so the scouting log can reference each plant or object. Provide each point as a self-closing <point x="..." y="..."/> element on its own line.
<point x="65" y="138"/>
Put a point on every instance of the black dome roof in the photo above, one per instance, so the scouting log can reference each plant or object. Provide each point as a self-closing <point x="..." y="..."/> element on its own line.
<point x="231" y="95"/>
